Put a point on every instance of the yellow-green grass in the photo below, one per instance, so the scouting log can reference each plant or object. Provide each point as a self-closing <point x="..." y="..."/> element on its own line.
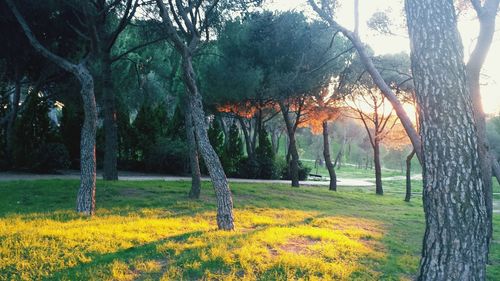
<point x="152" y="231"/>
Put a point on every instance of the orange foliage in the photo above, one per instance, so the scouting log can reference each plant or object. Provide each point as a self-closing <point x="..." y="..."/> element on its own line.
<point x="318" y="109"/>
<point x="246" y="109"/>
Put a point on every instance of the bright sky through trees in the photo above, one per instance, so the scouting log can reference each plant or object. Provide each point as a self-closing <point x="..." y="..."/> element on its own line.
<point x="384" y="44"/>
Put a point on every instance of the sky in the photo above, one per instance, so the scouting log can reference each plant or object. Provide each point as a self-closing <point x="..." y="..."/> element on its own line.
<point x="383" y="44"/>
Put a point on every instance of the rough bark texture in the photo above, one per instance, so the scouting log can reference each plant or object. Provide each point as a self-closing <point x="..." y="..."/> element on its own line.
<point x="85" y="202"/>
<point x="194" y="192"/>
<point x="378" y="168"/>
<point x="110" y="123"/>
<point x="408" y="175"/>
<point x="225" y="218"/>
<point x="455" y="241"/>
<point x="292" y="148"/>
<point x="328" y="160"/>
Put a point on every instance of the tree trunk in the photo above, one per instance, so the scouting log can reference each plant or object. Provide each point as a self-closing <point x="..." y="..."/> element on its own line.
<point x="486" y="15"/>
<point x="495" y="167"/>
<point x="293" y="165"/>
<point x="85" y="202"/>
<point x="248" y="145"/>
<point x="225" y="218"/>
<point x="455" y="244"/>
<point x="378" y="169"/>
<point x="13" y="117"/>
<point x="110" y="124"/>
<point x="194" y="193"/>
<point x="408" y="175"/>
<point x="328" y="161"/>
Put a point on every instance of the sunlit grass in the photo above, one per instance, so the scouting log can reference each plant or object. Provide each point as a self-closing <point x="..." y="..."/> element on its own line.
<point x="151" y="231"/>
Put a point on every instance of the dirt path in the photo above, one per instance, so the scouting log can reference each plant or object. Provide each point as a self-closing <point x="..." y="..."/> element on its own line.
<point x="134" y="176"/>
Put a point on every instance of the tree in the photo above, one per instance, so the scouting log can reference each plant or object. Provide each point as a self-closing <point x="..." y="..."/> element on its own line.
<point x="86" y="193"/>
<point x="322" y="108"/>
<point x="234" y="149"/>
<point x="455" y="243"/>
<point x="326" y="10"/>
<point x="192" y="21"/>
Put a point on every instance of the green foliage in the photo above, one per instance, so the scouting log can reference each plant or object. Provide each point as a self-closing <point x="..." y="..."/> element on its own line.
<point x="70" y="127"/>
<point x="149" y="125"/>
<point x="216" y="137"/>
<point x="265" y="155"/>
<point x="233" y="153"/>
<point x="167" y="155"/>
<point x="303" y="172"/>
<point x="35" y="137"/>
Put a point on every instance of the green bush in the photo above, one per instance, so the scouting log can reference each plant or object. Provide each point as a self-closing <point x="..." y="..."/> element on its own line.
<point x="303" y="172"/>
<point x="167" y="156"/>
<point x="51" y="157"/>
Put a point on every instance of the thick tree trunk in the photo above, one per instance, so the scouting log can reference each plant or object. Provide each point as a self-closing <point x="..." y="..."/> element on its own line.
<point x="225" y="218"/>
<point x="13" y="117"/>
<point x="378" y="169"/>
<point x="328" y="160"/>
<point x="110" y="124"/>
<point x="456" y="242"/>
<point x="85" y="202"/>
<point x="408" y="175"/>
<point x="293" y="164"/>
<point x="194" y="192"/>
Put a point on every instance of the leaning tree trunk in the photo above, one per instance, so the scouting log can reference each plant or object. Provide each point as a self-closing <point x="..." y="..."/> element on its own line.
<point x="85" y="202"/>
<point x="328" y="160"/>
<point x="110" y="124"/>
<point x="225" y="218"/>
<point x="455" y="244"/>
<point x="293" y="164"/>
<point x="378" y="168"/>
<point x="486" y="15"/>
<point x="408" y="175"/>
<point x="194" y="192"/>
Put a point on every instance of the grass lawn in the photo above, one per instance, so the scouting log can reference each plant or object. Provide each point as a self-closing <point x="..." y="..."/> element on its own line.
<point x="151" y="231"/>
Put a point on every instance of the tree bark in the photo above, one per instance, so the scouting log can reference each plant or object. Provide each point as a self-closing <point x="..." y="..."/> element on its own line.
<point x="455" y="243"/>
<point x="292" y="148"/>
<point x="86" y="193"/>
<point x="225" y="218"/>
<point x="110" y="123"/>
<point x="408" y="175"/>
<point x="328" y="160"/>
<point x="378" y="168"/>
<point x="85" y="202"/>
<point x="194" y="192"/>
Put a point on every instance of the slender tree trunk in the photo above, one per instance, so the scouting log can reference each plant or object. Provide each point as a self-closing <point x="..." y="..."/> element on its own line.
<point x="408" y="175"/>
<point x="378" y="169"/>
<point x="110" y="124"/>
<point x="495" y="167"/>
<point x="13" y="117"/>
<point x="486" y="16"/>
<point x="225" y="218"/>
<point x="328" y="161"/>
<point x="194" y="193"/>
<point x="455" y="244"/>
<point x="246" y="134"/>
<point x="85" y="202"/>
<point x="292" y="148"/>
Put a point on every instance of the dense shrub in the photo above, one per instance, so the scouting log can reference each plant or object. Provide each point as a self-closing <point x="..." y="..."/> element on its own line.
<point x="303" y="172"/>
<point x="167" y="156"/>
<point x="51" y="157"/>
